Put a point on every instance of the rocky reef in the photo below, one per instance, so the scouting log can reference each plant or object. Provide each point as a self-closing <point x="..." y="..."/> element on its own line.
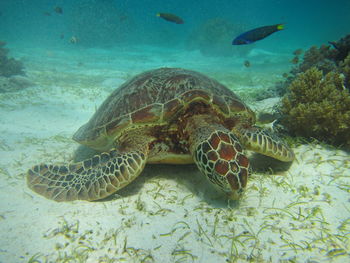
<point x="214" y="37"/>
<point x="316" y="103"/>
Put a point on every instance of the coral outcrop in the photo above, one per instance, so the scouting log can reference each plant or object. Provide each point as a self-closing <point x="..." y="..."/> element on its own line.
<point x="316" y="102"/>
<point x="327" y="58"/>
<point x="11" y="72"/>
<point x="318" y="106"/>
<point x="9" y="66"/>
<point x="345" y="69"/>
<point x="320" y="57"/>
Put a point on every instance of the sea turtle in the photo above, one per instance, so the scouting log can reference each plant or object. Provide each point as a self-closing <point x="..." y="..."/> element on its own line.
<point x="166" y="115"/>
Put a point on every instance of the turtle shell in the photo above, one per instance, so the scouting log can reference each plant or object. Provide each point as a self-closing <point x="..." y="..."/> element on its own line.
<point x="159" y="98"/>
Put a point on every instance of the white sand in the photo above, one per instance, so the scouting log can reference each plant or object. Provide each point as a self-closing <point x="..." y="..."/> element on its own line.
<point x="170" y="213"/>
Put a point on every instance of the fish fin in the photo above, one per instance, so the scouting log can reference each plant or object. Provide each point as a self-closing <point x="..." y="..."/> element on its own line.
<point x="158" y="14"/>
<point x="280" y="26"/>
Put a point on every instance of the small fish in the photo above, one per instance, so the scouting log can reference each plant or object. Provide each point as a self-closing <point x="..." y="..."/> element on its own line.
<point x="334" y="44"/>
<point x="73" y="40"/>
<point x="171" y="18"/>
<point x="298" y="52"/>
<point x="295" y="60"/>
<point x="256" y="34"/>
<point x="47" y="14"/>
<point x="246" y="63"/>
<point x="285" y="75"/>
<point x="58" y="10"/>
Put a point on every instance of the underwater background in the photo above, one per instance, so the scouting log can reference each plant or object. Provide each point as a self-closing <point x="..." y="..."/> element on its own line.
<point x="134" y="23"/>
<point x="59" y="60"/>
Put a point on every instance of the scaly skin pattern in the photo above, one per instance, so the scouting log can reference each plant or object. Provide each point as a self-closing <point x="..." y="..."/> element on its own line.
<point x="94" y="178"/>
<point x="265" y="142"/>
<point x="221" y="159"/>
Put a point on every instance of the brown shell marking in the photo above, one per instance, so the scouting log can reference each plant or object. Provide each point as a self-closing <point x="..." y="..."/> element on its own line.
<point x="147" y="114"/>
<point x="170" y="108"/>
<point x="155" y="97"/>
<point x="222" y="160"/>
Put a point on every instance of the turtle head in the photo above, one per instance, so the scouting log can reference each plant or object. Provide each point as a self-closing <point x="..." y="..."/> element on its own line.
<point x="221" y="159"/>
<point x="93" y="138"/>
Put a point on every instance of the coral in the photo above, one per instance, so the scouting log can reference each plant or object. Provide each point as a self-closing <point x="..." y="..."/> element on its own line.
<point x="11" y="72"/>
<point x="9" y="66"/>
<point x="342" y="48"/>
<point x="318" y="106"/>
<point x="321" y="57"/>
<point x="345" y="69"/>
<point x="327" y="58"/>
<point x="214" y="37"/>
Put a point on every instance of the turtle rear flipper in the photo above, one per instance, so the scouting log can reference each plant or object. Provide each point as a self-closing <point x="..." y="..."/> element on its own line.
<point x="91" y="179"/>
<point x="266" y="143"/>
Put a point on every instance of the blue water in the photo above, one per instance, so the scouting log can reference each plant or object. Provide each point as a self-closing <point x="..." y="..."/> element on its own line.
<point x="307" y="22"/>
<point x="74" y="60"/>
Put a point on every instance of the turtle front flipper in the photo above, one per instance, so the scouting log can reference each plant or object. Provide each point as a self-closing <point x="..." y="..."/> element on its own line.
<point x="91" y="179"/>
<point x="265" y="142"/>
<point x="218" y="155"/>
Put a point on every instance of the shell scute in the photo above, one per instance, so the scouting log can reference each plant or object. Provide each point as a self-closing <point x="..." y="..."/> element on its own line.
<point x="157" y="97"/>
<point x="149" y="114"/>
<point x="221" y="104"/>
<point x="170" y="108"/>
<point x="192" y="95"/>
<point x="235" y="105"/>
<point x="118" y="124"/>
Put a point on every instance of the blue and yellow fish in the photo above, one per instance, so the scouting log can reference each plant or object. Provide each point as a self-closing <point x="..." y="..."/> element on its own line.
<point x="256" y="34"/>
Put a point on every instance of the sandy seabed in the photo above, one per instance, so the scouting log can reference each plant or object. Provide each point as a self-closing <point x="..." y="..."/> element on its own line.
<point x="299" y="213"/>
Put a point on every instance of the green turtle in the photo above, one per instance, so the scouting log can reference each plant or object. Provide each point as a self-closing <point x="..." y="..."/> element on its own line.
<point x="167" y="115"/>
